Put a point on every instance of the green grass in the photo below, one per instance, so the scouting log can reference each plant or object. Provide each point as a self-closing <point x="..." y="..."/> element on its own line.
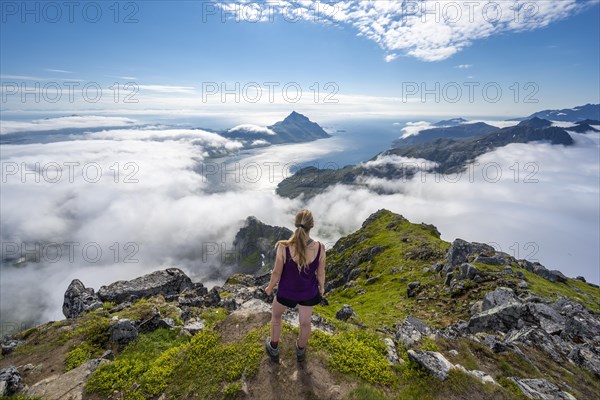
<point x="181" y="367"/>
<point x="356" y="352"/>
<point x="366" y="392"/>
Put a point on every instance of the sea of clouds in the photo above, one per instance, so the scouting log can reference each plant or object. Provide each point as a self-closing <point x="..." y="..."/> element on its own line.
<point x="159" y="209"/>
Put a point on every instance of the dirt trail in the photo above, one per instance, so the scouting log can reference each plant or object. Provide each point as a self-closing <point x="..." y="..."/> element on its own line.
<point x="288" y="379"/>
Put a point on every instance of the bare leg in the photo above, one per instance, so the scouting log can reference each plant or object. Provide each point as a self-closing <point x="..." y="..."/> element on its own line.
<point x="277" y="310"/>
<point x="304" y="315"/>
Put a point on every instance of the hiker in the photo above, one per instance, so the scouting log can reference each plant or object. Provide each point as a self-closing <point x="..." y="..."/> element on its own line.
<point x="299" y="273"/>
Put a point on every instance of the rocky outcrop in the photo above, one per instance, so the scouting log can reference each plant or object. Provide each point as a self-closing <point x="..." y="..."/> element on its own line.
<point x="254" y="246"/>
<point x="67" y="386"/>
<point x="169" y="282"/>
<point x="411" y="330"/>
<point x="539" y="269"/>
<point x="78" y="299"/>
<point x="10" y="381"/>
<point x="541" y="389"/>
<point x="462" y="252"/>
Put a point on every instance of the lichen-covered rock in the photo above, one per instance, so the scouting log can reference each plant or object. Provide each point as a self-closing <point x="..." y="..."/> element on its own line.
<point x="498" y="297"/>
<point x="123" y="331"/>
<point x="411" y="330"/>
<point x="78" y="299"/>
<point x="168" y="282"/>
<point x="541" y="389"/>
<point x="10" y="381"/>
<point x="435" y="363"/>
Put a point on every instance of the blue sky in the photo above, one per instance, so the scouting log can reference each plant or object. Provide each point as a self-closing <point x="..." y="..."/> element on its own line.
<point x="176" y="47"/>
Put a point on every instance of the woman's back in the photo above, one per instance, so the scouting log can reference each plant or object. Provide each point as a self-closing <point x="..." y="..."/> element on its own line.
<point x="301" y="284"/>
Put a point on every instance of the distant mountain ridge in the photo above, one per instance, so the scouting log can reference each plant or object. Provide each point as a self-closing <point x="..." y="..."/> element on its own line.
<point x="456" y="131"/>
<point x="449" y="156"/>
<point x="575" y="114"/>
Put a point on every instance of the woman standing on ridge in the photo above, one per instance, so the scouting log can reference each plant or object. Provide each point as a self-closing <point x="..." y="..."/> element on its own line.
<point x="299" y="273"/>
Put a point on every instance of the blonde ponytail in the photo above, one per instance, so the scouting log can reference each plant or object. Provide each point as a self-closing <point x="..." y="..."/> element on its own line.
<point x="304" y="222"/>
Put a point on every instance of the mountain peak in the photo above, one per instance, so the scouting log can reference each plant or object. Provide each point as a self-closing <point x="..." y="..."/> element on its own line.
<point x="536" y="123"/>
<point x="295" y="116"/>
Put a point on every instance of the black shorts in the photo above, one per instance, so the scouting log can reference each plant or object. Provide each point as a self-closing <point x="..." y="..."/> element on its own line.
<point x="292" y="303"/>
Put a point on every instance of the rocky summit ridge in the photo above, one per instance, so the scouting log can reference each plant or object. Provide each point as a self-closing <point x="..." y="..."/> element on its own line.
<point x="406" y="315"/>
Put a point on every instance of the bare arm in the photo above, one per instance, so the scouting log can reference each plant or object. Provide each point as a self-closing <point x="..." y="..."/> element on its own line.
<point x="277" y="269"/>
<point x="321" y="270"/>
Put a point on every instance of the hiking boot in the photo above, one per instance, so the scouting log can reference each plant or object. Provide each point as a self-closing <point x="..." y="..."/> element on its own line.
<point x="300" y="353"/>
<point x="273" y="353"/>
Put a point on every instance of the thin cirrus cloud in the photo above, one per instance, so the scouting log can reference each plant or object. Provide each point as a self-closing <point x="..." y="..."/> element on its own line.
<point x="167" y="88"/>
<point x="60" y="71"/>
<point x="427" y="30"/>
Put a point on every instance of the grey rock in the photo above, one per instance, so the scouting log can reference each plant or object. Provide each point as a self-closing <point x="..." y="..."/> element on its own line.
<point x="500" y="318"/>
<point x="462" y="251"/>
<point x="194" y="327"/>
<point x="67" y="386"/>
<point x="411" y="330"/>
<point x="392" y="354"/>
<point x="523" y="285"/>
<point x="520" y="274"/>
<point x="411" y="289"/>
<point x="493" y="260"/>
<point x="123" y="331"/>
<point x="546" y="317"/>
<point x="435" y="363"/>
<point x="10" y="381"/>
<point x="9" y="345"/>
<point x="499" y="296"/>
<point x="581" y="278"/>
<point x="168" y="282"/>
<point x="78" y="299"/>
<point x="540" y="389"/>
<point x="448" y="278"/>
<point x="588" y="357"/>
<point x="539" y="269"/>
<point x="108" y="355"/>
<point x="344" y="313"/>
<point x="468" y="271"/>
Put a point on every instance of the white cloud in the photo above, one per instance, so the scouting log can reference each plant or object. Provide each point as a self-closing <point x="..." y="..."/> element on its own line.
<point x="167" y="88"/>
<point x="61" y="71"/>
<point x="48" y="124"/>
<point x="196" y="136"/>
<point x="430" y="30"/>
<point x="414" y="128"/>
<point x="464" y="66"/>
<point x="390" y="57"/>
<point x="250" y="128"/>
<point x="554" y="220"/>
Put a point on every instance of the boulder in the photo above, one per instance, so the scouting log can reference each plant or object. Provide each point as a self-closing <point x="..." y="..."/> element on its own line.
<point x="123" y="332"/>
<point x="493" y="260"/>
<point x="344" y="313"/>
<point x="411" y="330"/>
<point x="78" y="299"/>
<point x="194" y="327"/>
<point x="468" y="271"/>
<point x="501" y="318"/>
<point x="541" y="389"/>
<point x="168" y="282"/>
<point x="435" y="363"/>
<point x="588" y="357"/>
<point x="10" y="381"/>
<point x="462" y="251"/>
<point x="500" y="296"/>
<point x="539" y="269"/>
<point x="9" y="345"/>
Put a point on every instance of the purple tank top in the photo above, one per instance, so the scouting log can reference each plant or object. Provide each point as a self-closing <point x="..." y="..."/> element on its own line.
<point x="296" y="285"/>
